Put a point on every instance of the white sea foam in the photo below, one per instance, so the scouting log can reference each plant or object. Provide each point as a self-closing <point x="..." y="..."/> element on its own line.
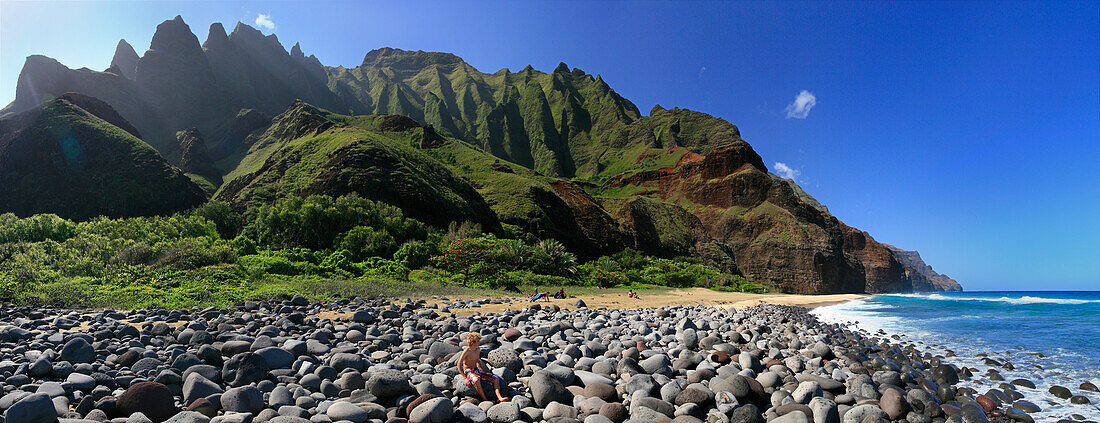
<point x="1026" y="299"/>
<point x="1059" y="368"/>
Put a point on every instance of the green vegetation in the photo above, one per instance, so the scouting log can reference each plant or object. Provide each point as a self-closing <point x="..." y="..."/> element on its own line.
<point x="71" y="158"/>
<point x="557" y="123"/>
<point x="376" y="157"/>
<point x="319" y="246"/>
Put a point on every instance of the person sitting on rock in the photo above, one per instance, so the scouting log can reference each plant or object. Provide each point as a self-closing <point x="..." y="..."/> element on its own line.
<point x="469" y="365"/>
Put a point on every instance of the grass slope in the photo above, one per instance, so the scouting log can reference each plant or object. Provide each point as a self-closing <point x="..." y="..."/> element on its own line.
<point x="311" y="151"/>
<point x="64" y="159"/>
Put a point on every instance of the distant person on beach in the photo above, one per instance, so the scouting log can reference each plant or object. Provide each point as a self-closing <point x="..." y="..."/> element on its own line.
<point x="545" y="296"/>
<point x="560" y="294"/>
<point x="469" y="365"/>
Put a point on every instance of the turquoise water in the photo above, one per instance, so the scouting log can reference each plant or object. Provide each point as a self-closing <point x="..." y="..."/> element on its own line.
<point x="1063" y="326"/>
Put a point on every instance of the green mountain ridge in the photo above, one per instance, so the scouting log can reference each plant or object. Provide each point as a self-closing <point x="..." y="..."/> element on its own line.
<point x="76" y="158"/>
<point x="309" y="151"/>
<point x="547" y="155"/>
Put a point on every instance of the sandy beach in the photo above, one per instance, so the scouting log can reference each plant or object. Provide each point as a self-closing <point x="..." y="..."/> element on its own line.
<point x="691" y="296"/>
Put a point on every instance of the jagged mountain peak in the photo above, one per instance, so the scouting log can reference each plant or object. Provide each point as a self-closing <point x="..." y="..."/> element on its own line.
<point x="254" y="41"/>
<point x="124" y="46"/>
<point x="39" y="74"/>
<point x="125" y="59"/>
<point x="216" y="37"/>
<point x="37" y="60"/>
<point x="245" y="30"/>
<point x="173" y="34"/>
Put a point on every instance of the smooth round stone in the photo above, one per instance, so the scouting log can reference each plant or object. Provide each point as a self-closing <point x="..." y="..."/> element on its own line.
<point x="77" y="350"/>
<point x="277" y="358"/>
<point x="824" y="410"/>
<point x="858" y="413"/>
<point x="545" y="388"/>
<point x="196" y="386"/>
<point x="247" y="399"/>
<point x="149" y="398"/>
<point x="893" y="404"/>
<point x="280" y="396"/>
<point x="145" y="364"/>
<point x="1079" y="399"/>
<point x="469" y="413"/>
<point x="768" y="379"/>
<point x="388" y="384"/>
<point x="588" y="378"/>
<point x="597" y="418"/>
<point x="53" y="389"/>
<point x="245" y="368"/>
<point x="435" y="410"/>
<point x="614" y="411"/>
<point x="343" y="410"/>
<point x="1060" y="392"/>
<point x="1017" y="415"/>
<point x="735" y="384"/>
<point x="81" y="381"/>
<point x="188" y="417"/>
<point x="806" y="391"/>
<point x="505" y="412"/>
<point x="945" y="374"/>
<point x="33" y="408"/>
<point x="556" y="409"/>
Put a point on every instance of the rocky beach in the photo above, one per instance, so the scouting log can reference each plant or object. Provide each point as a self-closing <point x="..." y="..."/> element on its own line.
<point x="289" y="361"/>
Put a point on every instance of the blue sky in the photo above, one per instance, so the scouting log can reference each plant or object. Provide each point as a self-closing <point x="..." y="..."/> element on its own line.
<point x="969" y="131"/>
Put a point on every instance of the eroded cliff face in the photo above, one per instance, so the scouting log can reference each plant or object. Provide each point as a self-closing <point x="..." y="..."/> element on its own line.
<point x="194" y="157"/>
<point x="923" y="278"/>
<point x="881" y="270"/>
<point x="775" y="235"/>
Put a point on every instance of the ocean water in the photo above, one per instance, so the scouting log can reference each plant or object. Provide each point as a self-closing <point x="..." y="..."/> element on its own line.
<point x="1062" y="326"/>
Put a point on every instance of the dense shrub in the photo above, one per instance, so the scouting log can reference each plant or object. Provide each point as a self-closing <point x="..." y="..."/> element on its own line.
<point x="227" y="222"/>
<point x="194" y="253"/>
<point x="364" y="241"/>
<point x="416" y="254"/>
<point x="318" y="222"/>
<point x="212" y="255"/>
<point x="36" y="228"/>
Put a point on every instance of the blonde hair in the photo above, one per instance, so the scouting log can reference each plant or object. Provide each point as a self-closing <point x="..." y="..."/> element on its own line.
<point x="472" y="338"/>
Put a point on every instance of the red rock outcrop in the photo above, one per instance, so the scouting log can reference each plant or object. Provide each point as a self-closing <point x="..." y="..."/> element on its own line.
<point x="776" y="237"/>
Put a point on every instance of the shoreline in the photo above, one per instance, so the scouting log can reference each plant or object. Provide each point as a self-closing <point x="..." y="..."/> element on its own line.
<point x="673" y="297"/>
<point x="1045" y="387"/>
<point x="547" y="357"/>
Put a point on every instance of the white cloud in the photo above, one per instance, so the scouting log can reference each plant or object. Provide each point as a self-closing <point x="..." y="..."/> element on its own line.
<point x="701" y="70"/>
<point x="800" y="107"/>
<point x="264" y="22"/>
<point x="785" y="171"/>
